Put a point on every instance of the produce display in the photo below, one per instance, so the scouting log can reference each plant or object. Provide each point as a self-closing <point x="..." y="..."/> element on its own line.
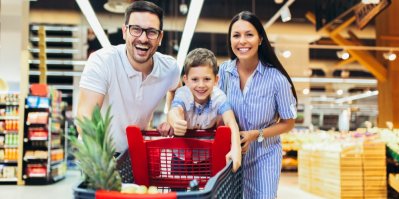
<point x="350" y="165"/>
<point x="138" y="189"/>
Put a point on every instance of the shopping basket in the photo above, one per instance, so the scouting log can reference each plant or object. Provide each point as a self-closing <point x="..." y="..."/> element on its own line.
<point x="225" y="184"/>
<point x="169" y="163"/>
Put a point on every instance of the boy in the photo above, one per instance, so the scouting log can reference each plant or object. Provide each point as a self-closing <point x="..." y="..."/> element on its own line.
<point x="200" y="103"/>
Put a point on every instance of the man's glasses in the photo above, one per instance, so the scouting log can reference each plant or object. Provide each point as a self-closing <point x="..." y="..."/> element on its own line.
<point x="136" y="31"/>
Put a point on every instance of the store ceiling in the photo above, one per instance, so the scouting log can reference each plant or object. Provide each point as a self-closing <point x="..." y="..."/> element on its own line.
<point x="322" y="61"/>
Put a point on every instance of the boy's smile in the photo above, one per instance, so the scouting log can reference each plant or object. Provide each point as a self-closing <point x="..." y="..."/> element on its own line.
<point x="201" y="80"/>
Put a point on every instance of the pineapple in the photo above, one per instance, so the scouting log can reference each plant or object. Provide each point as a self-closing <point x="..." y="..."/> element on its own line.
<point x="95" y="152"/>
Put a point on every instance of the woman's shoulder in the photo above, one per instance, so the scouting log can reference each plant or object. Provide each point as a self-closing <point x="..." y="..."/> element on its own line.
<point x="218" y="97"/>
<point x="227" y="64"/>
<point x="276" y="75"/>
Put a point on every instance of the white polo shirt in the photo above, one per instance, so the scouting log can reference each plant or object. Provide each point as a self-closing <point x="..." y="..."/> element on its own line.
<point x="133" y="100"/>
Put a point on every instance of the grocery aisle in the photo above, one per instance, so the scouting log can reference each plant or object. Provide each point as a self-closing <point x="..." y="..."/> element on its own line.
<point x="59" y="190"/>
<point x="289" y="188"/>
<point x="63" y="189"/>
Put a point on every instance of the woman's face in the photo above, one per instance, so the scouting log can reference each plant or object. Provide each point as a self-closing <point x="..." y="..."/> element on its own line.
<point x="245" y="40"/>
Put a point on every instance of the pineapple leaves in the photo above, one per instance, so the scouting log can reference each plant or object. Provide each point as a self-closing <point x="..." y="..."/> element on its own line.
<point x="95" y="152"/>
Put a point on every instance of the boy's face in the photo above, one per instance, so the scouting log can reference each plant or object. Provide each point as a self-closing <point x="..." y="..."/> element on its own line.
<point x="201" y="80"/>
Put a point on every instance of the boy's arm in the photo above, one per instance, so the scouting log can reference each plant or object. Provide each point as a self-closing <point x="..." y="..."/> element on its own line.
<point x="235" y="152"/>
<point x="176" y="120"/>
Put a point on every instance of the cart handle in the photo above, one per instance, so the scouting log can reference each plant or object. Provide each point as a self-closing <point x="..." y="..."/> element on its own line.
<point x="189" y="133"/>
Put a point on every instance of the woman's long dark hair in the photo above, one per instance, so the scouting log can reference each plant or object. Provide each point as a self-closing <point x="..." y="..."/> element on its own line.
<point x="265" y="52"/>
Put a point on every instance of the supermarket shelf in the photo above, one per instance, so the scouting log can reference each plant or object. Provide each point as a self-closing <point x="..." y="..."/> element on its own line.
<point x="38" y="139"/>
<point x="35" y="160"/>
<point x="9" y="118"/>
<point x="56" y="163"/>
<point x="8" y="131"/>
<point x="8" y="162"/>
<point x="37" y="108"/>
<point x="57" y="147"/>
<point x="58" y="178"/>
<point x="8" y="179"/>
<point x="36" y="175"/>
<point x="9" y="104"/>
<point x="8" y="146"/>
<point x="57" y="132"/>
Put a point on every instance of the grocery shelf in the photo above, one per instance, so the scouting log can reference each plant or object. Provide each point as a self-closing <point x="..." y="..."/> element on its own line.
<point x="8" y="179"/>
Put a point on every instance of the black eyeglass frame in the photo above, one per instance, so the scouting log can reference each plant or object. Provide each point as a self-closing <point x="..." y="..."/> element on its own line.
<point x="143" y="30"/>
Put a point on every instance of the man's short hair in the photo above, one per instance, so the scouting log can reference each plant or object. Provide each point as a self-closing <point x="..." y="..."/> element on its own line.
<point x="144" y="6"/>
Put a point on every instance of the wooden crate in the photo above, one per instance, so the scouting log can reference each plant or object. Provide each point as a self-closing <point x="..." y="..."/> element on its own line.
<point x="374" y="170"/>
<point x="355" y="172"/>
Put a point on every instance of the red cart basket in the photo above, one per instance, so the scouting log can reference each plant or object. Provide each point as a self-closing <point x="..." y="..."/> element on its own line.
<point x="169" y="163"/>
<point x="152" y="161"/>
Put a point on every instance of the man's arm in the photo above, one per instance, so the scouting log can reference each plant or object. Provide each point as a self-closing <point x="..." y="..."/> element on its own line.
<point x="88" y="99"/>
<point x="164" y="128"/>
<point x="170" y="95"/>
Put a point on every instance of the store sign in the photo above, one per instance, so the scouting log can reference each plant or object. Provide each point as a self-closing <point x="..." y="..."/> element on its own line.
<point x="366" y="12"/>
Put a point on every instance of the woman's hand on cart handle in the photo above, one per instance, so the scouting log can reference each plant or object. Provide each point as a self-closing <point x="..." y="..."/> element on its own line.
<point x="234" y="156"/>
<point x="165" y="129"/>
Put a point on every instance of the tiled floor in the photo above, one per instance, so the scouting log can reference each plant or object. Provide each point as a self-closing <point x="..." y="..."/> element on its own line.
<point x="63" y="190"/>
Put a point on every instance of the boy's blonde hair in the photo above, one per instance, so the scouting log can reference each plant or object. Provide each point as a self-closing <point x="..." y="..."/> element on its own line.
<point x="200" y="57"/>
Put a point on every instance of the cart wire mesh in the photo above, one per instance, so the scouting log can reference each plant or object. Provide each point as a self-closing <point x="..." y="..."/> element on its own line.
<point x="171" y="163"/>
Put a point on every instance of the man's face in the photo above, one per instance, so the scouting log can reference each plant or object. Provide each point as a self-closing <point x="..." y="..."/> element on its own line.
<point x="201" y="80"/>
<point x="140" y="49"/>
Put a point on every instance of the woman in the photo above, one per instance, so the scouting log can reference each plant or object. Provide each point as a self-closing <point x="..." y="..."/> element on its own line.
<point x="263" y="99"/>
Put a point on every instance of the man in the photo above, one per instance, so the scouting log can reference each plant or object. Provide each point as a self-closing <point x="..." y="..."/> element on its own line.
<point x="132" y="77"/>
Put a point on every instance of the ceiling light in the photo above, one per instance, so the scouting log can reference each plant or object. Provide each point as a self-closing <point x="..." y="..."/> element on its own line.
<point x="286" y="53"/>
<point x="183" y="8"/>
<point x="345" y="73"/>
<point x="305" y="91"/>
<point x="277" y="14"/>
<point x="308" y="72"/>
<point x="88" y="12"/>
<point x="116" y="6"/>
<point x="389" y="56"/>
<point x="340" y="92"/>
<point x="343" y="54"/>
<point x="278" y="1"/>
<point x="285" y="14"/>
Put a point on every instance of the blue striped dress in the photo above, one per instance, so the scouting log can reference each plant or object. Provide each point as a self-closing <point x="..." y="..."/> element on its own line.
<point x="267" y="94"/>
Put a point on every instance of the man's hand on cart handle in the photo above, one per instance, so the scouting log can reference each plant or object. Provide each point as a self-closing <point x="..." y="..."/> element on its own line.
<point x="236" y="163"/>
<point x="165" y="129"/>
<point x="235" y="157"/>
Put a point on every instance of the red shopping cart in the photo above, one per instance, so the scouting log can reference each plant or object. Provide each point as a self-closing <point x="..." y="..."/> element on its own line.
<point x="152" y="164"/>
<point x="169" y="163"/>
